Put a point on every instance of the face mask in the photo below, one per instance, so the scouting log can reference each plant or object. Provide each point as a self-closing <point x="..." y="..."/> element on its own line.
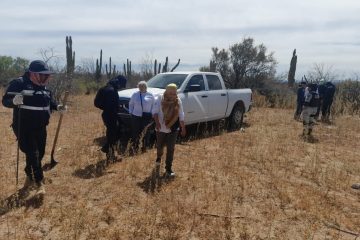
<point x="44" y="79"/>
<point x="41" y="79"/>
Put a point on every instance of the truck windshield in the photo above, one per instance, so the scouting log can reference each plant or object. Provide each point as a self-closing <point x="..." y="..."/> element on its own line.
<point x="162" y="80"/>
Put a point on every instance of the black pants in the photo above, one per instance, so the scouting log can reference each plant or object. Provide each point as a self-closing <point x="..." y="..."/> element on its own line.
<point x="138" y="125"/>
<point x="326" y="107"/>
<point x="112" y="129"/>
<point x="168" y="140"/>
<point x="319" y="107"/>
<point x="298" y="110"/>
<point x="32" y="142"/>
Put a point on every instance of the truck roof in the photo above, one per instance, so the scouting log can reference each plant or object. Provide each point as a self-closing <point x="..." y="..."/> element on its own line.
<point x="189" y="72"/>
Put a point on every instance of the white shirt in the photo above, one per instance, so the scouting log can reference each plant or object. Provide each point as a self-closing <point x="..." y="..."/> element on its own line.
<point x="141" y="102"/>
<point x="157" y="109"/>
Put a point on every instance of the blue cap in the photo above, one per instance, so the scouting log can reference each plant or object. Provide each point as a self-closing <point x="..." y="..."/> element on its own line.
<point x="39" y="66"/>
<point x="118" y="82"/>
<point x="121" y="81"/>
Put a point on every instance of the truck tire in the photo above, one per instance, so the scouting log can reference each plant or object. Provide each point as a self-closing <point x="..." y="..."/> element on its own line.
<point x="236" y="118"/>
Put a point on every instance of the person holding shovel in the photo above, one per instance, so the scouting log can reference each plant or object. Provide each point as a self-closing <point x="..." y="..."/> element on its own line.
<point x="32" y="103"/>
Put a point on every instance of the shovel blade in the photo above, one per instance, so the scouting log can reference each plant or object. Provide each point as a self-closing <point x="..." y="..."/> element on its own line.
<point x="51" y="165"/>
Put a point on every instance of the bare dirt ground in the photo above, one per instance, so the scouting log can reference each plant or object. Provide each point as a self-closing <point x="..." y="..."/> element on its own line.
<point x="263" y="183"/>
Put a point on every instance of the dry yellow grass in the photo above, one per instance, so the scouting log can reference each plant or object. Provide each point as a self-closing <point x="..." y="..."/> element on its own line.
<point x="264" y="183"/>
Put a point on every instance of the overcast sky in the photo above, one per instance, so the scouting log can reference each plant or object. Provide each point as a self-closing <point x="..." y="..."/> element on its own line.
<point x="322" y="31"/>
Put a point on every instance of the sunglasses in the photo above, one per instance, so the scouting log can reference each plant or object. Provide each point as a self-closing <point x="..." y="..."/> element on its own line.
<point x="44" y="76"/>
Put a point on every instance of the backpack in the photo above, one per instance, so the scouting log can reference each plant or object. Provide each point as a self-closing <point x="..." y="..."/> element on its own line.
<point x="315" y="99"/>
<point x="99" y="100"/>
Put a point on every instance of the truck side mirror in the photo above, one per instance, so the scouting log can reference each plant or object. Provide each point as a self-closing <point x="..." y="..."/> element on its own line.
<point x="193" y="88"/>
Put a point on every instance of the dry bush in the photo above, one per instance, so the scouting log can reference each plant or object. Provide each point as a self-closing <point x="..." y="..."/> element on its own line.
<point x="263" y="183"/>
<point x="347" y="99"/>
<point x="282" y="99"/>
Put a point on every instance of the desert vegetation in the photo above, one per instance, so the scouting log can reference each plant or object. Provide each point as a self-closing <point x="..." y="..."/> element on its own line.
<point x="259" y="183"/>
<point x="244" y="65"/>
<point x="262" y="182"/>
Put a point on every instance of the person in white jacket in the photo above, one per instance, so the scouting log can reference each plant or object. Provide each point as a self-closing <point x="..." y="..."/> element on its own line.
<point x="140" y="108"/>
<point x="169" y="116"/>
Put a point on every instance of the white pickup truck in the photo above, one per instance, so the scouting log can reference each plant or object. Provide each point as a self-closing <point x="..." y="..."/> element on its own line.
<point x="203" y="94"/>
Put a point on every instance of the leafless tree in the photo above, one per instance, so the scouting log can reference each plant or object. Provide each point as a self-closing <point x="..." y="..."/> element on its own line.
<point x="49" y="55"/>
<point x="87" y="66"/>
<point x="146" y="66"/>
<point x="321" y="71"/>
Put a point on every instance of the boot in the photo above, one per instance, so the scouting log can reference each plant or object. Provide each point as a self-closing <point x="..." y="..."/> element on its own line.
<point x="304" y="132"/>
<point x="40" y="189"/>
<point x="28" y="183"/>
<point x="105" y="148"/>
<point x="309" y="132"/>
<point x="158" y="161"/>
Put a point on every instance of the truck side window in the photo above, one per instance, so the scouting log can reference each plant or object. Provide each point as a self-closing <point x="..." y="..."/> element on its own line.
<point x="214" y="82"/>
<point x="196" y="80"/>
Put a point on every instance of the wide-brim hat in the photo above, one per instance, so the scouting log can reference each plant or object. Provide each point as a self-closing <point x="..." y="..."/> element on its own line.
<point x="40" y="67"/>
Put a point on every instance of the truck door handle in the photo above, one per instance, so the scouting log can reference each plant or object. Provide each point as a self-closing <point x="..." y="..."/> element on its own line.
<point x="223" y="94"/>
<point x="204" y="96"/>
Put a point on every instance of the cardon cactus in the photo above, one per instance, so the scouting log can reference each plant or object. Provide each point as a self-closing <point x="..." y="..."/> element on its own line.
<point x="155" y="67"/>
<point x="98" y="68"/>
<point x="70" y="57"/>
<point x="165" y="68"/>
<point x="291" y="75"/>
<point x="127" y="69"/>
<point x="110" y="71"/>
<point x="176" y="65"/>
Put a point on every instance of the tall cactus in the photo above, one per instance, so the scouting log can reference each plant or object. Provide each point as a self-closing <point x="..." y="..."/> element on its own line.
<point x="292" y="70"/>
<point x="70" y="57"/>
<point x="110" y="71"/>
<point x="98" y="68"/>
<point x="127" y="69"/>
<point x="176" y="65"/>
<point x="165" y="67"/>
<point x="212" y="66"/>
<point x="155" y="67"/>
<point x="159" y="70"/>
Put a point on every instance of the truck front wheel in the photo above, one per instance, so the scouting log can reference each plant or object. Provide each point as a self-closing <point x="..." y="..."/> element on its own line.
<point x="236" y="118"/>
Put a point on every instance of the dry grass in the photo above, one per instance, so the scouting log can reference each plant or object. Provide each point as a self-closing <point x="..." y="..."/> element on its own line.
<point x="264" y="183"/>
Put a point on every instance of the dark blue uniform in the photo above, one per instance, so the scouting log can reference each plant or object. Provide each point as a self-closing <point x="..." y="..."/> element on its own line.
<point x="33" y="117"/>
<point x="328" y="97"/>
<point x="321" y="90"/>
<point x="299" y="101"/>
<point x="107" y="99"/>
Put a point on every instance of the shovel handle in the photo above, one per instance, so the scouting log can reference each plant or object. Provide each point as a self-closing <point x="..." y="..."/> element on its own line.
<point x="59" y="126"/>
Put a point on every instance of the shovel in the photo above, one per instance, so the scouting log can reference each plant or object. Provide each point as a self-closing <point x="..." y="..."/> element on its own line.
<point x="53" y="162"/>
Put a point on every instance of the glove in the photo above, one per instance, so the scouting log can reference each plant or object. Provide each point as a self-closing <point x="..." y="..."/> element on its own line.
<point x="18" y="100"/>
<point x="61" y="108"/>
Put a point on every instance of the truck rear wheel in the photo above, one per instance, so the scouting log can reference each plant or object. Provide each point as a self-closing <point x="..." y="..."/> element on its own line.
<point x="236" y="118"/>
